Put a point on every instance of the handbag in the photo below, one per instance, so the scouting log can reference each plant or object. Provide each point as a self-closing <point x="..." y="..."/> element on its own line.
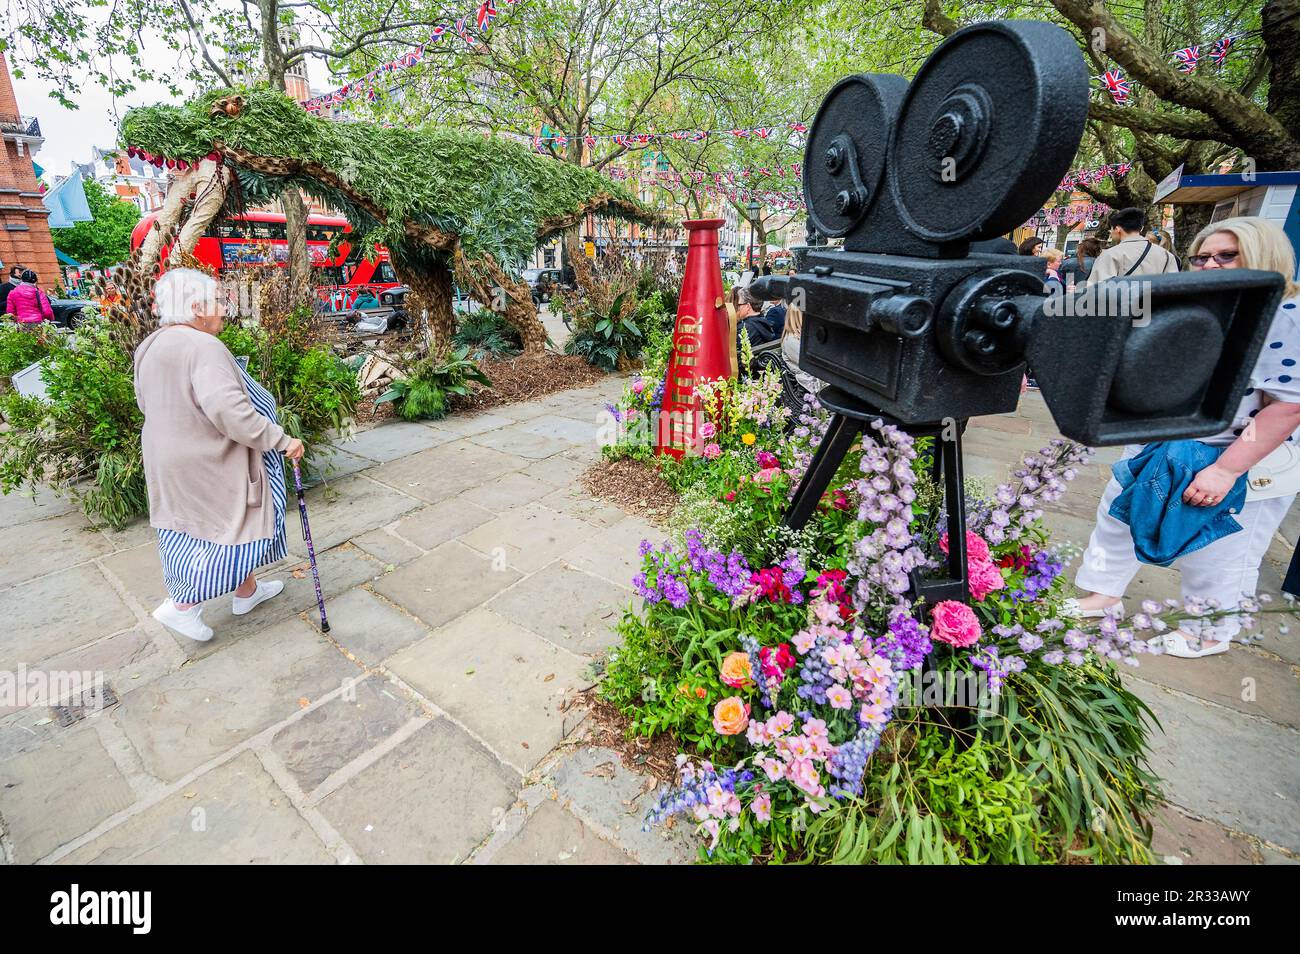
<point x="1277" y="475"/>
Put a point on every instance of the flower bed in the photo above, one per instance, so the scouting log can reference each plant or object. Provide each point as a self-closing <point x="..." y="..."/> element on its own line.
<point x="824" y="715"/>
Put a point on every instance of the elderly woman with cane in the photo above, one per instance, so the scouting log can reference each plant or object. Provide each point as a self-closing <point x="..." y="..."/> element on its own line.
<point x="211" y="458"/>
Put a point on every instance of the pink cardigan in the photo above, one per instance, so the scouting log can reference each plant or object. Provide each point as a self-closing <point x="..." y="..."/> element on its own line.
<point x="203" y="439"/>
<point x="28" y="304"/>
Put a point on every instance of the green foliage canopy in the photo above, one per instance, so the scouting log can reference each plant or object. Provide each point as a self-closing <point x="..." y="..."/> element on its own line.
<point x="494" y="195"/>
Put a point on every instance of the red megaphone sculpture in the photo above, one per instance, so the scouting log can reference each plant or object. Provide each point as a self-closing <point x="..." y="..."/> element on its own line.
<point x="701" y="345"/>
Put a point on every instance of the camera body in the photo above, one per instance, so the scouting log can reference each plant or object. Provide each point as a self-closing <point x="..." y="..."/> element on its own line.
<point x="905" y="321"/>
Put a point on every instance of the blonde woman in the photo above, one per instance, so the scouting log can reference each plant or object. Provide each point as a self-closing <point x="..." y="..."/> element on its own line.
<point x="211" y="458"/>
<point x="790" y="350"/>
<point x="1269" y="414"/>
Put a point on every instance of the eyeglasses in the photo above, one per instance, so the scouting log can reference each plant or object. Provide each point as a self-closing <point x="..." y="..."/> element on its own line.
<point x="1221" y="258"/>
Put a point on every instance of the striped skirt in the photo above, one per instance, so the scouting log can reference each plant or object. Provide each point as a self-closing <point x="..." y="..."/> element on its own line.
<point x="195" y="570"/>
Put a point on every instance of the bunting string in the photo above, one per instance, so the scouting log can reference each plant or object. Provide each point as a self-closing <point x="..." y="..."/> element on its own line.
<point x="1187" y="59"/>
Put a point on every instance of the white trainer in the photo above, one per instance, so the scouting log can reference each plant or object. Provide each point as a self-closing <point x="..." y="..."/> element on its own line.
<point x="1071" y="607"/>
<point x="265" y="590"/>
<point x="186" y="622"/>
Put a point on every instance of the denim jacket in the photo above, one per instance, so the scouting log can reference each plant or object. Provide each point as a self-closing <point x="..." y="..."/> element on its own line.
<point x="1151" y="501"/>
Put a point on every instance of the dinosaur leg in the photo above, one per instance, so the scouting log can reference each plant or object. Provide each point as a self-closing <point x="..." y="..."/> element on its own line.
<point x="431" y="297"/>
<point x="168" y="218"/>
<point x="489" y="281"/>
<point x="209" y="196"/>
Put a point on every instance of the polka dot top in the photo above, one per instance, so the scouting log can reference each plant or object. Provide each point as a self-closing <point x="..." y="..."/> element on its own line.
<point x="1276" y="373"/>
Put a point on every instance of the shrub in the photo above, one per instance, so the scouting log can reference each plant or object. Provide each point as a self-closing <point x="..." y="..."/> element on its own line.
<point x="84" y="440"/>
<point x="431" y="382"/>
<point x="20" y="347"/>
<point x="486" y="333"/>
<point x="607" y="339"/>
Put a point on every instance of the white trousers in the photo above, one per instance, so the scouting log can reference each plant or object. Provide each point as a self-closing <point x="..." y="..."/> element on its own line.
<point x="1226" y="570"/>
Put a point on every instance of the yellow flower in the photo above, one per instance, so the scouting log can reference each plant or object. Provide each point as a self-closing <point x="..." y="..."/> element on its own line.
<point x="748" y="439"/>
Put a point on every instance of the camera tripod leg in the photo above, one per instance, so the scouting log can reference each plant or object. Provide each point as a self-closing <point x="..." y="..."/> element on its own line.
<point x="841" y="434"/>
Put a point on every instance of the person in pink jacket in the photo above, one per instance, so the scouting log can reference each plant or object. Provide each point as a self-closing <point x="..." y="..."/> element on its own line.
<point x="27" y="303"/>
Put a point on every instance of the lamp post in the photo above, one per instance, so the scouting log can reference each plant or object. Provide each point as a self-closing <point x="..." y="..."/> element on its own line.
<point x="753" y="208"/>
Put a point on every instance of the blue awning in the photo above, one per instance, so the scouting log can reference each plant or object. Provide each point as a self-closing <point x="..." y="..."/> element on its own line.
<point x="67" y="202"/>
<point x="66" y="259"/>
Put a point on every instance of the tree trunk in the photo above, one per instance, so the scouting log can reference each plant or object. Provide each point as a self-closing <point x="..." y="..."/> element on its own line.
<point x="295" y="211"/>
<point x="1188" y="220"/>
<point x="1280" y="29"/>
<point x="430" y="299"/>
<point x="509" y="297"/>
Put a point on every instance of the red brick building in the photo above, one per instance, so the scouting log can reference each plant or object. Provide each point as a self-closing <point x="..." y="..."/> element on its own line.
<point x="24" y="232"/>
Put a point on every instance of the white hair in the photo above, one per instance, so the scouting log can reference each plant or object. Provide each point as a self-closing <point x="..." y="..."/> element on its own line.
<point x="178" y="291"/>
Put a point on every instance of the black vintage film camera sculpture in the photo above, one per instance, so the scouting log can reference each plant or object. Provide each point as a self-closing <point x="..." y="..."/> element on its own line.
<point x="905" y="324"/>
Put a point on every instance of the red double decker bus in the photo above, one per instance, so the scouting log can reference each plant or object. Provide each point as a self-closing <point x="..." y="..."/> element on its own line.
<point x="344" y="280"/>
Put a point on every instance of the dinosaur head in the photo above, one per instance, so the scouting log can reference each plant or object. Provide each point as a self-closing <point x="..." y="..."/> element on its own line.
<point x="256" y="120"/>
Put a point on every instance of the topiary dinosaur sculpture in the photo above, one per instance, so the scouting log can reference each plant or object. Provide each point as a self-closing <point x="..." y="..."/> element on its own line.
<point x="437" y="199"/>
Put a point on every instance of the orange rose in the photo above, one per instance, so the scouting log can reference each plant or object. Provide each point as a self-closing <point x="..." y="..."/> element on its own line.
<point x="730" y="716"/>
<point x="736" y="670"/>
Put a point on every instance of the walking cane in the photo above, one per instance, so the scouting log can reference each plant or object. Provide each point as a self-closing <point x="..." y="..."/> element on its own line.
<point x="311" y="550"/>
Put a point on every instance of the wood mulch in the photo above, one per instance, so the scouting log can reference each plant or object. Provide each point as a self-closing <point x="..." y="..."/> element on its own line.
<point x="523" y="378"/>
<point x="514" y="379"/>
<point x="608" y="729"/>
<point x="633" y="485"/>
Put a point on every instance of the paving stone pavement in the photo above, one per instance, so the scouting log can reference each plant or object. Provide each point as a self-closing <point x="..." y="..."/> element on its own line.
<point x="470" y="583"/>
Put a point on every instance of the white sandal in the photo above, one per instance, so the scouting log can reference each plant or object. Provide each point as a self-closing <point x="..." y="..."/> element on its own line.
<point x="1179" y="644"/>
<point x="1071" y="607"/>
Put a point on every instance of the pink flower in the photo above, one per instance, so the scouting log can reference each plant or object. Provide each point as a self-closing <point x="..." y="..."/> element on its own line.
<point x="767" y="475"/>
<point x="766" y="460"/>
<point x="762" y="806"/>
<point x="839" y="697"/>
<point x="776" y="661"/>
<point x="984" y="579"/>
<point x="955" y="624"/>
<point x="815" y="729"/>
<point x="780" y="723"/>
<point x="977" y="551"/>
<point x="873" y="714"/>
<point x="803" y="774"/>
<point x="774" y="768"/>
<point x="638" y="386"/>
<point x="729" y="496"/>
<point x="712" y="451"/>
<point x="803" y="641"/>
<point x="707" y="431"/>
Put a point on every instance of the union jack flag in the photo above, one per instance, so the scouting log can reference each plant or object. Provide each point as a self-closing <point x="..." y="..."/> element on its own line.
<point x="1116" y="85"/>
<point x="1219" y="52"/>
<point x="1187" y="58"/>
<point x="437" y="33"/>
<point x="409" y="59"/>
<point x="588" y="139"/>
<point x="763" y="132"/>
<point x="462" y="32"/>
<point x="798" y="127"/>
<point x="485" y="15"/>
<point x="741" y="133"/>
<point x="1123" y="169"/>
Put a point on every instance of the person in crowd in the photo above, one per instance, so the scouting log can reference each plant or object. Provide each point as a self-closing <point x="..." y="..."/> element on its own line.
<point x="28" y="304"/>
<point x="1131" y="254"/>
<point x="10" y="283"/>
<point x="1052" y="272"/>
<point x="1076" y="269"/>
<point x="111" y="294"/>
<point x="212" y="463"/>
<point x="1030" y="245"/>
<point x="1162" y="238"/>
<point x="767" y="268"/>
<point x="761" y="326"/>
<point x="1227" y="569"/>
<point x="995" y="246"/>
<point x="790" y="350"/>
